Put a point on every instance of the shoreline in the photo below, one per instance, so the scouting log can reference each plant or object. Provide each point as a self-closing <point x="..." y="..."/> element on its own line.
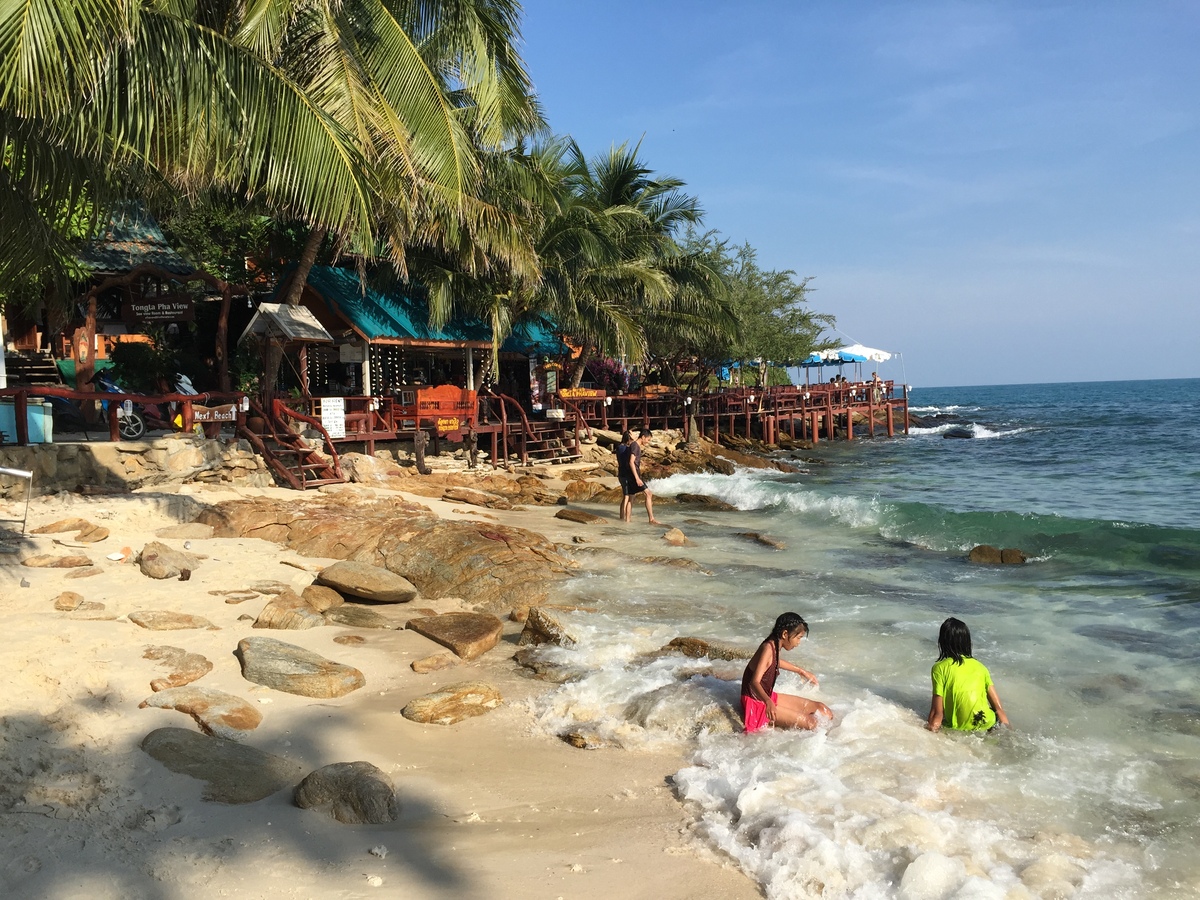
<point x="489" y="807"/>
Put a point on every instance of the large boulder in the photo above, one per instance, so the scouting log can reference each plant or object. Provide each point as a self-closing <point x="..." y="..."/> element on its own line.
<point x="360" y="579"/>
<point x="233" y="773"/>
<point x="355" y="793"/>
<point x="453" y="703"/>
<point x="286" y="667"/>
<point x="157" y="560"/>
<point x="468" y="634"/>
<point x="985" y="554"/>
<point x="216" y="712"/>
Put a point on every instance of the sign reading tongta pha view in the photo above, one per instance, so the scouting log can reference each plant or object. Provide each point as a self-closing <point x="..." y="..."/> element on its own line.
<point x="167" y="308"/>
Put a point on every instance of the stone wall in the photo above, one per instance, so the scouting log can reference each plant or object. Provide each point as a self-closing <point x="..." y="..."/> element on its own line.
<point x="125" y="465"/>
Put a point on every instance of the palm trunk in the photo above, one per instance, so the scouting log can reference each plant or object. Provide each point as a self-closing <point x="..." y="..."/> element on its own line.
<point x="274" y="354"/>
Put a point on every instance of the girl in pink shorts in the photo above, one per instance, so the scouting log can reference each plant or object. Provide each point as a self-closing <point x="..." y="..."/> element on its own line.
<point x="761" y="706"/>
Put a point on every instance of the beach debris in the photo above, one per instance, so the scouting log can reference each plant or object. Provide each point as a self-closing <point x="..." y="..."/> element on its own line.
<point x="697" y="648"/>
<point x="187" y="530"/>
<point x="116" y="556"/>
<point x="380" y="851"/>
<point x="166" y="620"/>
<point x="578" y="515"/>
<point x="67" y="601"/>
<point x="352" y="616"/>
<point x="159" y="561"/>
<point x="763" y="539"/>
<point x="289" y="611"/>
<point x="50" y="561"/>
<point x="453" y="703"/>
<point x="468" y="634"/>
<point x="322" y="598"/>
<point x="216" y="712"/>
<point x="294" y="670"/>
<point x="545" y="626"/>
<point x="233" y="773"/>
<point x="433" y="663"/>
<point x="372" y="880"/>
<point x="184" y="667"/>
<point x="986" y="554"/>
<point x="359" y="579"/>
<point x="354" y="793"/>
<point x="24" y="582"/>
<point x="677" y="538"/>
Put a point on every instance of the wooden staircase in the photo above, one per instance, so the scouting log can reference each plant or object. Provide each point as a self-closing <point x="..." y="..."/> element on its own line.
<point x="286" y="453"/>
<point x="31" y="368"/>
<point x="552" y="442"/>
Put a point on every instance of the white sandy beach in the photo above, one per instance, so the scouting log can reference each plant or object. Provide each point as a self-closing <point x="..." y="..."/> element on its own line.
<point x="490" y="807"/>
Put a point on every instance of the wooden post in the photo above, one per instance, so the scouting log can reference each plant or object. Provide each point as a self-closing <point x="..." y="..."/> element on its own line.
<point x="891" y="425"/>
<point x="303" y="371"/>
<point x="114" y="431"/>
<point x="816" y="427"/>
<point x="222" y="346"/>
<point x="189" y="417"/>
<point x="21" y="411"/>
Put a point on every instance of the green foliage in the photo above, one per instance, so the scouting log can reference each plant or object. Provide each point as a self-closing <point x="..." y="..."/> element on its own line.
<point x="246" y="367"/>
<point x="141" y="366"/>
<point x="216" y="235"/>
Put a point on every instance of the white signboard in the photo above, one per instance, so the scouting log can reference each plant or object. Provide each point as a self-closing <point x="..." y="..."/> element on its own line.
<point x="333" y="416"/>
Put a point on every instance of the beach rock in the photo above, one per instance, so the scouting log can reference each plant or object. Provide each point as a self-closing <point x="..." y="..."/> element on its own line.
<point x="677" y="562"/>
<point x="216" y="712"/>
<point x="583" y="491"/>
<point x="706" y="501"/>
<point x="467" y="634"/>
<point x="91" y="611"/>
<point x="289" y="611"/>
<point x="578" y="515"/>
<point x="543" y="626"/>
<point x="350" y="639"/>
<point x="92" y="535"/>
<point x="352" y="616"/>
<point x="587" y="738"/>
<point x="184" y="667"/>
<point x="763" y="539"/>
<point x="521" y="613"/>
<point x="159" y="561"/>
<point x="677" y="538"/>
<point x="49" y="561"/>
<point x="453" y="703"/>
<point x="433" y="663"/>
<point x="87" y="572"/>
<point x="192" y="531"/>
<point x="1011" y="556"/>
<point x="62" y="526"/>
<point x="359" y="579"/>
<point x="985" y="554"/>
<point x="476" y="498"/>
<point x="544" y="669"/>
<point x="270" y="587"/>
<point x="696" y="648"/>
<point x="322" y="598"/>
<point x="165" y="620"/>
<point x="67" y="601"/>
<point x="355" y="793"/>
<point x="286" y="667"/>
<point x="233" y="773"/>
<point x="684" y="709"/>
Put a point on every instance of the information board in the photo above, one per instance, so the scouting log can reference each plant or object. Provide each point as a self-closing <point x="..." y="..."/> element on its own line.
<point x="333" y="416"/>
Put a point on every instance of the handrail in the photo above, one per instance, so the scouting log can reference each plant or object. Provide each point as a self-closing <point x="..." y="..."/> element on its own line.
<point x="578" y="416"/>
<point x="528" y="429"/>
<point x="278" y="406"/>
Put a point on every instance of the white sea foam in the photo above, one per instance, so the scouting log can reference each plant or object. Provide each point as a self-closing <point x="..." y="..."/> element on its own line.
<point x="979" y="432"/>
<point x="945" y="410"/>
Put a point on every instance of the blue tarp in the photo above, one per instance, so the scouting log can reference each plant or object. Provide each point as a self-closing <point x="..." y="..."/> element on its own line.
<point x="397" y="313"/>
<point x="831" y="358"/>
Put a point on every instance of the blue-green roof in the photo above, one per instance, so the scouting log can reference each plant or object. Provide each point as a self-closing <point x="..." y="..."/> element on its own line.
<point x="131" y="238"/>
<point x="398" y="314"/>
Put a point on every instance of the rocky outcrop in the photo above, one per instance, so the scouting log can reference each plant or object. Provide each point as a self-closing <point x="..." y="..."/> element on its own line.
<point x="705" y="501"/>
<point x="233" y="773"/>
<point x="763" y="539"/>
<point x="492" y="567"/>
<point x="476" y="498"/>
<point x="216" y="712"/>
<point x="184" y="667"/>
<point x="469" y="635"/>
<point x="286" y="667"/>
<point x="355" y="793"/>
<point x="579" y="516"/>
<point x="453" y="703"/>
<point x="545" y="626"/>
<point x="702" y="647"/>
<point x="368" y="582"/>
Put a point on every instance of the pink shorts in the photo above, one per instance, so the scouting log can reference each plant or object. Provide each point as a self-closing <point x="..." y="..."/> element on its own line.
<point x="754" y="712"/>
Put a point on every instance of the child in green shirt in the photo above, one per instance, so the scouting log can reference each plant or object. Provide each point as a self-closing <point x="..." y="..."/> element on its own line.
<point x="964" y="697"/>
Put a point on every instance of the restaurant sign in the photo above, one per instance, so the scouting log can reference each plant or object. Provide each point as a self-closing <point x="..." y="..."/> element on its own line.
<point x="149" y="310"/>
<point x="581" y="393"/>
<point x="447" y="423"/>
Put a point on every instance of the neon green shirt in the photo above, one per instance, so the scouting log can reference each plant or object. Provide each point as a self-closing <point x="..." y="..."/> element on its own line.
<point x="963" y="689"/>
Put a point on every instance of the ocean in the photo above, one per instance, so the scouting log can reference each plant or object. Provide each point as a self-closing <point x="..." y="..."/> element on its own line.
<point x="1093" y="646"/>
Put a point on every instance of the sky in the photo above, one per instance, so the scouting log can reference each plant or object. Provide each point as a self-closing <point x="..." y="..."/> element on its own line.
<point x="1001" y="193"/>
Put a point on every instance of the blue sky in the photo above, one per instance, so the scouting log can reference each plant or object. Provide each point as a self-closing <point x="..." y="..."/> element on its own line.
<point x="1002" y="192"/>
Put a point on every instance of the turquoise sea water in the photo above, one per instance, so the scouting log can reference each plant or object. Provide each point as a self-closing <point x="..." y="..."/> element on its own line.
<point x="1093" y="645"/>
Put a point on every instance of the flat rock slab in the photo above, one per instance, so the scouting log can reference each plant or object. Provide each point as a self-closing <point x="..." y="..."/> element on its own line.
<point x="62" y="526"/>
<point x="706" y="501"/>
<point x="159" y="561"/>
<point x="194" y="531"/>
<point x="233" y="773"/>
<point x="476" y="498"/>
<point x="286" y="667"/>
<point x="50" y="561"/>
<point x="165" y="620"/>
<point x="355" y="793"/>
<point x="434" y="663"/>
<point x="545" y="626"/>
<point x="453" y="703"/>
<point x="699" y="647"/>
<point x="765" y="540"/>
<point x="351" y="616"/>
<point x="216" y="712"/>
<point x="67" y="601"/>
<point x="468" y="634"/>
<point x="359" y="579"/>
<point x="184" y="667"/>
<point x="677" y="562"/>
<point x="289" y="611"/>
<point x="578" y="515"/>
<point x="93" y="535"/>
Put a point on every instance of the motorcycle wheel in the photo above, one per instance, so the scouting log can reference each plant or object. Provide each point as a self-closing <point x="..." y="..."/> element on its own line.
<point x="131" y="425"/>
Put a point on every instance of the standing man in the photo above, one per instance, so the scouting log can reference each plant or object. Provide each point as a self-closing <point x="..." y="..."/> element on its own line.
<point x="630" y="475"/>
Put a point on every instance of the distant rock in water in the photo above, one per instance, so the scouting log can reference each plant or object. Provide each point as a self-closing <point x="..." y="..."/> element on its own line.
<point x="993" y="556"/>
<point x="959" y="433"/>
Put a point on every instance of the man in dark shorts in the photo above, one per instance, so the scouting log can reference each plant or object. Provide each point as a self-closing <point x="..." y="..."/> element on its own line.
<point x="629" y="473"/>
